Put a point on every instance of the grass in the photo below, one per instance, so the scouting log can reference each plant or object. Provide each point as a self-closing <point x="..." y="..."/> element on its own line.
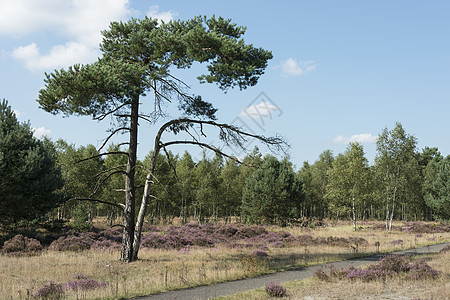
<point x="160" y="270"/>
<point x="397" y="287"/>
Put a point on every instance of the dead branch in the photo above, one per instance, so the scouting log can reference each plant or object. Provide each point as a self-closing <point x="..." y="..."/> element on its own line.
<point x="229" y="134"/>
<point x="111" y="135"/>
<point x="102" y="154"/>
<point x="100" y="183"/>
<point x="103" y="116"/>
<point x="170" y="161"/>
<point x="118" y="205"/>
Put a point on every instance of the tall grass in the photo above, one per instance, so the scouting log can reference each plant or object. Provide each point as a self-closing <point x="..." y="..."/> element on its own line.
<point x="398" y="286"/>
<point x="160" y="270"/>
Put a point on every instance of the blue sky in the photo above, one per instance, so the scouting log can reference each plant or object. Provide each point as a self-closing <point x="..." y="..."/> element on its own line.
<point x="342" y="70"/>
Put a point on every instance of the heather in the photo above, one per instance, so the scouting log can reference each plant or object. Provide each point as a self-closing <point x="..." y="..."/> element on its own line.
<point x="80" y="284"/>
<point x="415" y="277"/>
<point x="274" y="289"/>
<point x="202" y="235"/>
<point x="389" y="266"/>
<point x="181" y="256"/>
<point x="20" y="244"/>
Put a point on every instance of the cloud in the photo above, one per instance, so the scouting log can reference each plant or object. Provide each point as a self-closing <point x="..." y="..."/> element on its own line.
<point x="41" y="132"/>
<point x="363" y="138"/>
<point x="17" y="113"/>
<point x="295" y="68"/>
<point x="59" y="55"/>
<point x="262" y="109"/>
<point x="79" y="22"/>
<point x="164" y="16"/>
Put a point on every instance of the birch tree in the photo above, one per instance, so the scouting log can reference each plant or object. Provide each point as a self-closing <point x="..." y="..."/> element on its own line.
<point x="348" y="181"/>
<point x="394" y="163"/>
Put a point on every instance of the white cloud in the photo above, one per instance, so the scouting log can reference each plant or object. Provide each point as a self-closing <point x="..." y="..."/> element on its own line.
<point x="262" y="109"/>
<point x="164" y="16"/>
<point x="294" y="67"/>
<point x="363" y="138"/>
<point x="59" y="55"/>
<point x="77" y="21"/>
<point x="17" y="113"/>
<point x="41" y="132"/>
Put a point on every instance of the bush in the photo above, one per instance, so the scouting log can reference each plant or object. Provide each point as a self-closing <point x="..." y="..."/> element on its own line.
<point x="21" y="244"/>
<point x="84" y="284"/>
<point x="260" y="253"/>
<point x="73" y="243"/>
<point x="51" y="291"/>
<point x="389" y="266"/>
<point x="421" y="270"/>
<point x="275" y="290"/>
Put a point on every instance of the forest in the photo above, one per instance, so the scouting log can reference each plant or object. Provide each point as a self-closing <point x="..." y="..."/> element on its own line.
<point x="403" y="183"/>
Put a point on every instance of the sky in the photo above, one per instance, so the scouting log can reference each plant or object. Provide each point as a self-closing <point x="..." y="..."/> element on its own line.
<point x="341" y="72"/>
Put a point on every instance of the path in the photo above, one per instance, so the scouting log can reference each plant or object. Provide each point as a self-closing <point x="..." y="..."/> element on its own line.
<point x="242" y="285"/>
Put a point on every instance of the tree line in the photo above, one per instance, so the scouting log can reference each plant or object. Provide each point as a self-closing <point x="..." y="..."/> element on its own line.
<point x="55" y="180"/>
<point x="402" y="184"/>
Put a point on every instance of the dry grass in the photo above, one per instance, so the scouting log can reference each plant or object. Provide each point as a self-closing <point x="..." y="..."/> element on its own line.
<point x="393" y="288"/>
<point x="162" y="270"/>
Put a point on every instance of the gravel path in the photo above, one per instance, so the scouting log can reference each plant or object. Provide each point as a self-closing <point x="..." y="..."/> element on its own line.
<point x="242" y="285"/>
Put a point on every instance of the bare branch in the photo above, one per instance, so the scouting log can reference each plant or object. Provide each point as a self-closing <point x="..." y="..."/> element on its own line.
<point x="102" y="154"/>
<point x="106" y="171"/>
<point x="179" y="80"/>
<point x="111" y="135"/>
<point x="204" y="145"/>
<point x="118" y="205"/>
<point x="103" y="116"/>
<point x="99" y="183"/>
<point x="116" y="225"/>
<point x="229" y="134"/>
<point x="143" y="117"/>
<point x="170" y="161"/>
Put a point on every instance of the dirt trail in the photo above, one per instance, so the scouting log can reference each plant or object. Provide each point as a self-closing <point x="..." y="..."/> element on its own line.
<point x="242" y="285"/>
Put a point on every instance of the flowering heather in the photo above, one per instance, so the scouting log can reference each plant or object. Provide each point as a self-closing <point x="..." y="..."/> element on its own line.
<point x="105" y="244"/>
<point x="445" y="249"/>
<point x="305" y="239"/>
<point x="72" y="243"/>
<point x="112" y="235"/>
<point x="277" y="244"/>
<point x="260" y="253"/>
<point x="396" y="242"/>
<point x="21" y="244"/>
<point x="421" y="270"/>
<point x="150" y="228"/>
<point x="422" y="227"/>
<point x="389" y="266"/>
<point x="84" y="284"/>
<point x="275" y="290"/>
<point x="51" y="291"/>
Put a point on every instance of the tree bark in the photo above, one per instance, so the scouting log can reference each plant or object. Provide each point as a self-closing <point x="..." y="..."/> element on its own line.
<point x="144" y="203"/>
<point x="128" y="218"/>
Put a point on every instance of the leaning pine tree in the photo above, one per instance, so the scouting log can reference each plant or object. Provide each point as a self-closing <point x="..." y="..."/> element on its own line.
<point x="138" y="56"/>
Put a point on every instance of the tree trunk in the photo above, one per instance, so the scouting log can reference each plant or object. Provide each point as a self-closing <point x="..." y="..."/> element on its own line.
<point x="354" y="213"/>
<point x="393" y="208"/>
<point x="128" y="218"/>
<point x="144" y="203"/>
<point x="353" y="206"/>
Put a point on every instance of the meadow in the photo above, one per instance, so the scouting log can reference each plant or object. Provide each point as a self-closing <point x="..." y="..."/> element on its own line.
<point x="420" y="277"/>
<point x="86" y="265"/>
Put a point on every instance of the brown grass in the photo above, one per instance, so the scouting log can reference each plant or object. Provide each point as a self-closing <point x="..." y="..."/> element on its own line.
<point x="162" y="270"/>
<point x="393" y="288"/>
